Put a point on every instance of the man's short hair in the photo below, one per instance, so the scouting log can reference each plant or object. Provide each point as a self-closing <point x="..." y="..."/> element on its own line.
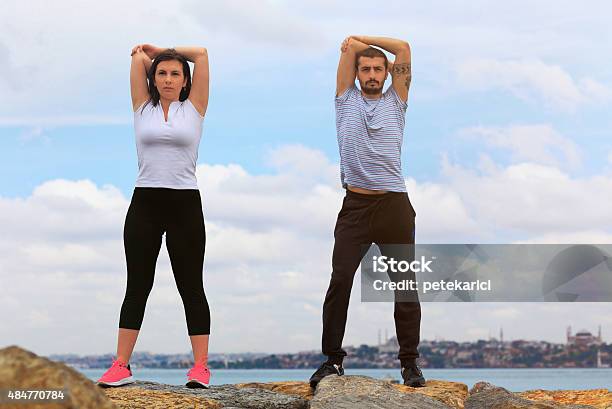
<point x="371" y="52"/>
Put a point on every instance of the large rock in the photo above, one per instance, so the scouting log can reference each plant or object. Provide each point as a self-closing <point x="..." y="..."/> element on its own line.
<point x="597" y="398"/>
<point x="296" y="388"/>
<point x="356" y="392"/>
<point x="21" y="369"/>
<point x="453" y="394"/>
<point x="483" y="395"/>
<point x="152" y="395"/>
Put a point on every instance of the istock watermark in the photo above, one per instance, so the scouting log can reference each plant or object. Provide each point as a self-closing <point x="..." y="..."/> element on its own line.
<point x="487" y="272"/>
<point x="382" y="264"/>
<point x="442" y="285"/>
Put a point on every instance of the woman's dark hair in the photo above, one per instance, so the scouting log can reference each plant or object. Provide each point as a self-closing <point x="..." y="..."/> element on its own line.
<point x="167" y="55"/>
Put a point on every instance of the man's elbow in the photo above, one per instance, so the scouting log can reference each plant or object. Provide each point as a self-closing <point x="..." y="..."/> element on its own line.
<point x="403" y="51"/>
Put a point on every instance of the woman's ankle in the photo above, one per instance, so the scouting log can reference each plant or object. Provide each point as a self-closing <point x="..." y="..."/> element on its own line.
<point x="201" y="362"/>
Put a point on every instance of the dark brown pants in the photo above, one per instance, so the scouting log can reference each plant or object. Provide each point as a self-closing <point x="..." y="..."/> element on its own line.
<point x="365" y="219"/>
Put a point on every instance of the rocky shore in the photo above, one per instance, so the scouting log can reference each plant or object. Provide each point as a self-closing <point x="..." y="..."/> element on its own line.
<point x="21" y="369"/>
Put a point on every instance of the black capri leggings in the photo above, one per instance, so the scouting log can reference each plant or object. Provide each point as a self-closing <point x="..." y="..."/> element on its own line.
<point x="177" y="212"/>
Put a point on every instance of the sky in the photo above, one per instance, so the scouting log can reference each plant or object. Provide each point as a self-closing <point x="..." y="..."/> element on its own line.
<point x="507" y="140"/>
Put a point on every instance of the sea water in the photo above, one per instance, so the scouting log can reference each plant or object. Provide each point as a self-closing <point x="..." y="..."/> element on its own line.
<point x="515" y="380"/>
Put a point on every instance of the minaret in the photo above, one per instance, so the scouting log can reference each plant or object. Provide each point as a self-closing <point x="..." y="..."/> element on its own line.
<point x="569" y="333"/>
<point x="599" y="334"/>
<point x="501" y="335"/>
<point x="599" y="365"/>
<point x="386" y="336"/>
<point x="378" y="336"/>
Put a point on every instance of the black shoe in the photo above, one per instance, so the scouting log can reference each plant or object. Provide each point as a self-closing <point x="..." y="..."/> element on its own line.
<point x="413" y="376"/>
<point x="325" y="369"/>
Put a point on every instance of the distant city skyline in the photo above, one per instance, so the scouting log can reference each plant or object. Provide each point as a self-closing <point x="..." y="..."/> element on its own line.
<point x="391" y="340"/>
<point x="582" y="351"/>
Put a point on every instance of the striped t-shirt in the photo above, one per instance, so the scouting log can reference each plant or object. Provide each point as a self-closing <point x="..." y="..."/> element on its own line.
<point x="370" y="134"/>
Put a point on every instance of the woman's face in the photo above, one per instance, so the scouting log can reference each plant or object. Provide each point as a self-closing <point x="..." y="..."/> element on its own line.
<point x="169" y="79"/>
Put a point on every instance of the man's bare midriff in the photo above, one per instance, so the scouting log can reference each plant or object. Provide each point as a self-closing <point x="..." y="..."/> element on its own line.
<point x="365" y="191"/>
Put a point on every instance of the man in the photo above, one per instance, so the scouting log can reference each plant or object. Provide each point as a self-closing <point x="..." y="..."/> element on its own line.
<point x="376" y="208"/>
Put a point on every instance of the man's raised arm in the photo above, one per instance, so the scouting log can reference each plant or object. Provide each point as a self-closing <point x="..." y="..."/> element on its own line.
<point x="346" y="67"/>
<point x="401" y="72"/>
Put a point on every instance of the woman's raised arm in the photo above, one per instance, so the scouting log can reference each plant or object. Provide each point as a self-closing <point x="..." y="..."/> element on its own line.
<point x="199" y="83"/>
<point x="138" y="77"/>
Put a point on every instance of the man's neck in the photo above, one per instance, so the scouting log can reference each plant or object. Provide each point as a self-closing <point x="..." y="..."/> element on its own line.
<point x="371" y="96"/>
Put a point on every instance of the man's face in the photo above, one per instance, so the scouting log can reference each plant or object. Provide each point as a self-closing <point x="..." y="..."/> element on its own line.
<point x="371" y="73"/>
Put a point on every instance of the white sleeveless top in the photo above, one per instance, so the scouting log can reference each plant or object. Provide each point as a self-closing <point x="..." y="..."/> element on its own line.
<point x="167" y="150"/>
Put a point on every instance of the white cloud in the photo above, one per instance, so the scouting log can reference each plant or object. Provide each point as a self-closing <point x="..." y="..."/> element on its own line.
<point x="477" y="332"/>
<point x="38" y="122"/>
<point x="532" y="199"/>
<point x="295" y="195"/>
<point x="81" y="193"/>
<point x="34" y="133"/>
<point x="61" y="60"/>
<point x="506" y="312"/>
<point x="579" y="237"/>
<point x="62" y="57"/>
<point x="441" y="214"/>
<point x="533" y="81"/>
<point x="528" y="321"/>
<point x="538" y="143"/>
<point x="257" y="23"/>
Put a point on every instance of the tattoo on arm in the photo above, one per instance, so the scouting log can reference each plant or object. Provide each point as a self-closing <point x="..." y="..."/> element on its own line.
<point x="403" y="69"/>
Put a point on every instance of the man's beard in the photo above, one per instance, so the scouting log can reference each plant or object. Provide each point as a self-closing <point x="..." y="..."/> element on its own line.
<point x="371" y="91"/>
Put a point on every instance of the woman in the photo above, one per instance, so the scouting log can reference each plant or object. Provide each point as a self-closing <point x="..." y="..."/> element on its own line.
<point x="168" y="115"/>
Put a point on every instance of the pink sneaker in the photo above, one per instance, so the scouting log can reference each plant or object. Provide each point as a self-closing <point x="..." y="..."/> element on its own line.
<point x="118" y="374"/>
<point x="198" y="377"/>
